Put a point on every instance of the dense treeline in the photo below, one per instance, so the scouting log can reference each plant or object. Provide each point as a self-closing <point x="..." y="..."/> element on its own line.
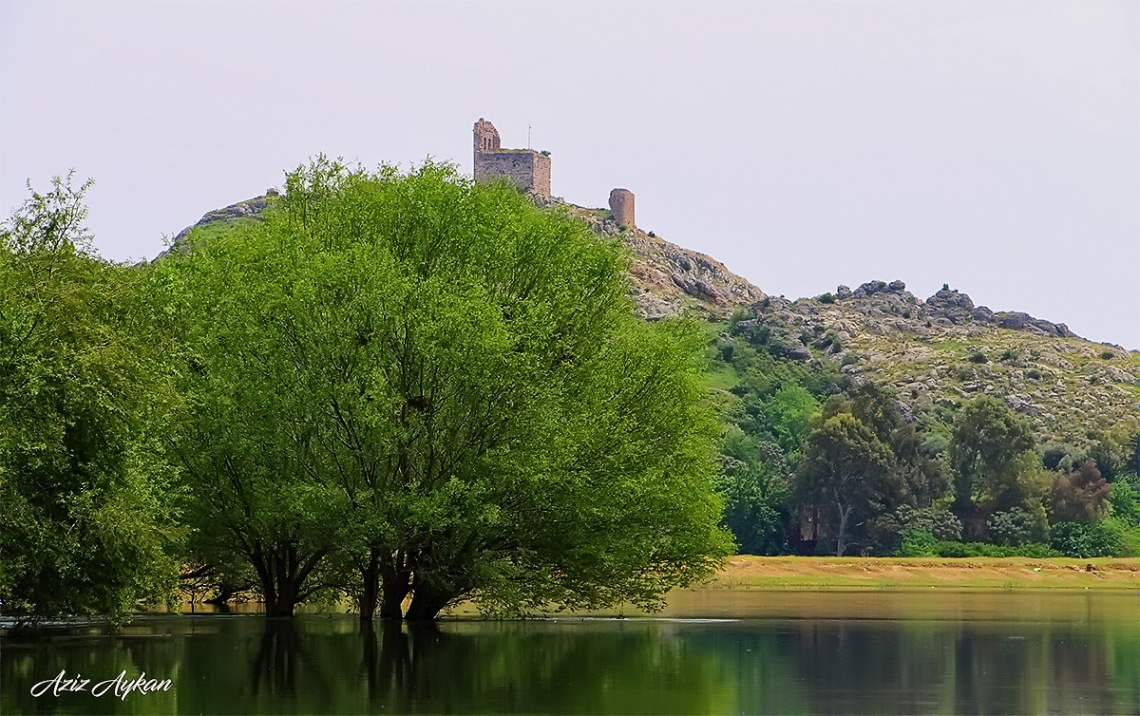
<point x="391" y="385"/>
<point x="816" y="463"/>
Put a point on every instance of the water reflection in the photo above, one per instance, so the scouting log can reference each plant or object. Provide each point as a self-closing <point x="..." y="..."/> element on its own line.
<point x="779" y="663"/>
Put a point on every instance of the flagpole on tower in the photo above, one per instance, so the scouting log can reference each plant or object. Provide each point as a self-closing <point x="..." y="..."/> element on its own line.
<point x="528" y="136"/>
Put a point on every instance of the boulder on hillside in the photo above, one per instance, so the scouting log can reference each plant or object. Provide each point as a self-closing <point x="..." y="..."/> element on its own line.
<point x="950" y="304"/>
<point x="870" y="288"/>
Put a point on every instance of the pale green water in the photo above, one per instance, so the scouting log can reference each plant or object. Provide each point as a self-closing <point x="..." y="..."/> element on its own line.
<point x="718" y="652"/>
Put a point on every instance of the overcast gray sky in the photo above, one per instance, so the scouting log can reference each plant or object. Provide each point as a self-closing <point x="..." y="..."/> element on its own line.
<point x="994" y="146"/>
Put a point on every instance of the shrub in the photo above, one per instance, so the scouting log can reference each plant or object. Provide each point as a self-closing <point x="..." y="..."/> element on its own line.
<point x="1107" y="355"/>
<point x="978" y="357"/>
<point x="827" y="298"/>
<point x="1062" y="456"/>
<point x="1033" y="374"/>
<point x="1016" y="526"/>
<point x="1124" y="502"/>
<point x="725" y="350"/>
<point x="918" y="543"/>
<point x="1079" y="539"/>
<point x="1080" y="496"/>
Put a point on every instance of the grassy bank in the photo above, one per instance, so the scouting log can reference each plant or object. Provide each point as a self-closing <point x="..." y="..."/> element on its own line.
<point x="747" y="571"/>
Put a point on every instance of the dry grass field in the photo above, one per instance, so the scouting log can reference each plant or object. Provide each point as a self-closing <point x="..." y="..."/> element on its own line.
<point x="747" y="571"/>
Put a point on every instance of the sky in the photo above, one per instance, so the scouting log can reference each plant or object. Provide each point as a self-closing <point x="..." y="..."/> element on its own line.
<point x="990" y="145"/>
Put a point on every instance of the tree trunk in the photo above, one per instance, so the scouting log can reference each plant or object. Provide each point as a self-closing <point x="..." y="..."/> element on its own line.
<point x="370" y="574"/>
<point x="427" y="601"/>
<point x="282" y="575"/>
<point x="396" y="585"/>
<point x="840" y="544"/>
<point x="285" y="602"/>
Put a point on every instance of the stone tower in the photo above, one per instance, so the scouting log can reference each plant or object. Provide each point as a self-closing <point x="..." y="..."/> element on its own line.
<point x="525" y="168"/>
<point x="621" y="204"/>
<point x="486" y="138"/>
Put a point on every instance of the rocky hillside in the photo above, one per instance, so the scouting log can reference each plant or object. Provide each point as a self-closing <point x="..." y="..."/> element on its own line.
<point x="667" y="279"/>
<point x="936" y="353"/>
<point x="942" y="351"/>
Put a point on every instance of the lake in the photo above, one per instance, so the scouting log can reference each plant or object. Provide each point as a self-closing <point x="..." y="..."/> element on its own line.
<point x="711" y="652"/>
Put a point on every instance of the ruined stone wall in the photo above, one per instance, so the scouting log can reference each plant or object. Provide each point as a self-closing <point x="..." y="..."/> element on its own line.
<point x="621" y="204"/>
<point x="486" y="136"/>
<point x="525" y="168"/>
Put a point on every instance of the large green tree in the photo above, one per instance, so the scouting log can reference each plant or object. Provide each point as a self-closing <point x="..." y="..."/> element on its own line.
<point x="862" y="462"/>
<point x="992" y="454"/>
<point x="87" y="511"/>
<point x="844" y="467"/>
<point x="445" y="388"/>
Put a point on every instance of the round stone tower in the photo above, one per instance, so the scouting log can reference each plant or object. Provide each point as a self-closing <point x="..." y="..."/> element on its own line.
<point x="621" y="204"/>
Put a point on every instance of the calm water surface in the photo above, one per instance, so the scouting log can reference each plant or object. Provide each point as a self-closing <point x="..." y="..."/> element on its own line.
<point x="713" y="652"/>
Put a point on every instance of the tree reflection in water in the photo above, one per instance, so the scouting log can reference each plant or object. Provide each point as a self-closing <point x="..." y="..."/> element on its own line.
<point x="251" y="664"/>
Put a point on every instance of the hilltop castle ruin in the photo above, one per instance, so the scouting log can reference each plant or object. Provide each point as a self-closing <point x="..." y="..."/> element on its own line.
<point x="525" y="168"/>
<point x="530" y="170"/>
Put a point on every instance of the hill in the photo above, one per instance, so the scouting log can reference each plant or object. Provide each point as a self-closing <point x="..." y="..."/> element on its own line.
<point x="935" y="353"/>
<point x="942" y="351"/>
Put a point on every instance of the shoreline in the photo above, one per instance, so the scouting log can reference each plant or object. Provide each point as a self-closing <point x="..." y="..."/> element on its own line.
<point x="754" y="572"/>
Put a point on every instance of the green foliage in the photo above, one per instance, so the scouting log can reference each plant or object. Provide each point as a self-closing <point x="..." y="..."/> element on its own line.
<point x="1018" y="526"/>
<point x="827" y="298"/>
<point x="903" y="474"/>
<point x="1117" y="449"/>
<point x="918" y="543"/>
<point x="843" y="469"/>
<point x="893" y="529"/>
<point x="753" y="483"/>
<point x="1062" y="456"/>
<point x="789" y="411"/>
<point x="1081" y="539"/>
<point x="1124" y="499"/>
<point x="87" y="505"/>
<point x="755" y="511"/>
<point x="991" y="453"/>
<point x="444" y="387"/>
<point x="978" y="357"/>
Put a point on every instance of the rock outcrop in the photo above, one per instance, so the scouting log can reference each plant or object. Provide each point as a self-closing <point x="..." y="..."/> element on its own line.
<point x="668" y="279"/>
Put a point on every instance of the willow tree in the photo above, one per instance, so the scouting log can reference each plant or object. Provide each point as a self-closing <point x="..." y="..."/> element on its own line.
<point x="87" y="510"/>
<point x="444" y="387"/>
